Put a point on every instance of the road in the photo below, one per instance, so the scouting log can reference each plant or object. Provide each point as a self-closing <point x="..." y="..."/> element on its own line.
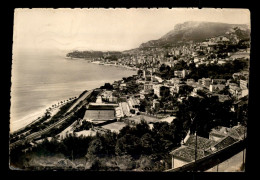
<point x="56" y="124"/>
<point x="84" y="96"/>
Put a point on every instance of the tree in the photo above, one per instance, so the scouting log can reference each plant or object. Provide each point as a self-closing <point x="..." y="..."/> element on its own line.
<point x="141" y="128"/>
<point x="147" y="143"/>
<point x="107" y="86"/>
<point x="185" y="90"/>
<point x="128" y="144"/>
<point x="95" y="148"/>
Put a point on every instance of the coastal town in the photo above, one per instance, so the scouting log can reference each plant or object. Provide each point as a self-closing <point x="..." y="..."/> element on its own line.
<point x="187" y="103"/>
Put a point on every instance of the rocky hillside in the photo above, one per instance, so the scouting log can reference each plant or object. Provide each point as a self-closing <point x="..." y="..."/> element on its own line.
<point x="195" y="32"/>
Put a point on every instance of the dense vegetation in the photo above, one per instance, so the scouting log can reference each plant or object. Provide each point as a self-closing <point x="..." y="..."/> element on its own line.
<point x="111" y="55"/>
<point x="203" y="114"/>
<point x="141" y="142"/>
<point x="213" y="70"/>
<point x="131" y="141"/>
<point x="216" y="71"/>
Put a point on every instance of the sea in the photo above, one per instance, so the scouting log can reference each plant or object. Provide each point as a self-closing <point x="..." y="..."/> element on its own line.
<point x="43" y="78"/>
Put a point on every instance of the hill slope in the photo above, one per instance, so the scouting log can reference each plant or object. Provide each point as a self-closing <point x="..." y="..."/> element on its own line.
<point x="194" y="31"/>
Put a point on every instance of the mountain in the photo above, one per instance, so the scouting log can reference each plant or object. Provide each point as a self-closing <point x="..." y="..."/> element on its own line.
<point x="195" y="32"/>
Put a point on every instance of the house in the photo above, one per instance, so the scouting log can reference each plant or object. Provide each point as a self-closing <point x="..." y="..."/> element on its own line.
<point x="186" y="153"/>
<point x="122" y="86"/>
<point x="222" y="97"/>
<point x="219" y="139"/>
<point x="222" y="144"/>
<point x="237" y="75"/>
<point x="156" y="104"/>
<point x="148" y="86"/>
<point x="202" y="143"/>
<point x="237" y="132"/>
<point x="133" y="102"/>
<point x="243" y="84"/>
<point x="176" y="88"/>
<point x="218" y="81"/>
<point x="175" y="80"/>
<point x="243" y="93"/>
<point x="108" y="96"/>
<point x="190" y="81"/>
<point x="216" y="87"/>
<point x="235" y="91"/>
<point x="156" y="89"/>
<point x="181" y="74"/>
<point x="206" y="82"/>
<point x="218" y="133"/>
<point x="160" y="80"/>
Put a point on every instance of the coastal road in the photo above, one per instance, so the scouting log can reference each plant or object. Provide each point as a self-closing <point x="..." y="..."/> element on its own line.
<point x="84" y="96"/>
<point x="54" y="125"/>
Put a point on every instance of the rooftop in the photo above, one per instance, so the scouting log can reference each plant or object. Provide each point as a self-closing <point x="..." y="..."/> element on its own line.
<point x="202" y="143"/>
<point x="227" y="141"/>
<point x="187" y="154"/>
<point x="238" y="132"/>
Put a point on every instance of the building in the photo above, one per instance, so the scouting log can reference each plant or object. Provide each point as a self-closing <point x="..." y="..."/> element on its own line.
<point x="206" y="82"/>
<point x="216" y="87"/>
<point x="186" y="153"/>
<point x="181" y="74"/>
<point x="237" y="132"/>
<point x="218" y="81"/>
<point x="235" y="91"/>
<point x="160" y="80"/>
<point x="190" y="81"/>
<point x="156" y="89"/>
<point x="108" y="96"/>
<point x="176" y="88"/>
<point x="244" y="93"/>
<point x="222" y="97"/>
<point x="218" y="133"/>
<point x="243" y="84"/>
<point x="122" y="86"/>
<point x="175" y="80"/>
<point x="148" y="87"/>
<point x="222" y="144"/>
<point x="219" y="139"/>
<point x="156" y="104"/>
<point x="237" y="75"/>
<point x="133" y="102"/>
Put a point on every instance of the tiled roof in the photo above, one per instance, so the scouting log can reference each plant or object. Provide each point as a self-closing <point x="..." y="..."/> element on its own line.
<point x="227" y="141"/>
<point x="187" y="154"/>
<point x="217" y="134"/>
<point x="237" y="132"/>
<point x="220" y="131"/>
<point x="202" y="143"/>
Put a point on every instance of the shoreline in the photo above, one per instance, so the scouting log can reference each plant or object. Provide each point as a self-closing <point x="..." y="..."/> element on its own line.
<point x="104" y="64"/>
<point x="23" y="122"/>
<point x="32" y="118"/>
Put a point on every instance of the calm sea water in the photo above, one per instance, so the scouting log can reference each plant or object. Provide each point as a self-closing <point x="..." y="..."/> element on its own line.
<point x="43" y="78"/>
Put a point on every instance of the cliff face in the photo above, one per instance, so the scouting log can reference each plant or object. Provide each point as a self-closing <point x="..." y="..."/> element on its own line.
<point x="195" y="32"/>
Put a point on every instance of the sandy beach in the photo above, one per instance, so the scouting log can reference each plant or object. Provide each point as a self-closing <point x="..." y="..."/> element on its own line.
<point x="31" y="118"/>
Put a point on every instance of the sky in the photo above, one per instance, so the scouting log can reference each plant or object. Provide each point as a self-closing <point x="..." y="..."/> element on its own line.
<point x="107" y="29"/>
